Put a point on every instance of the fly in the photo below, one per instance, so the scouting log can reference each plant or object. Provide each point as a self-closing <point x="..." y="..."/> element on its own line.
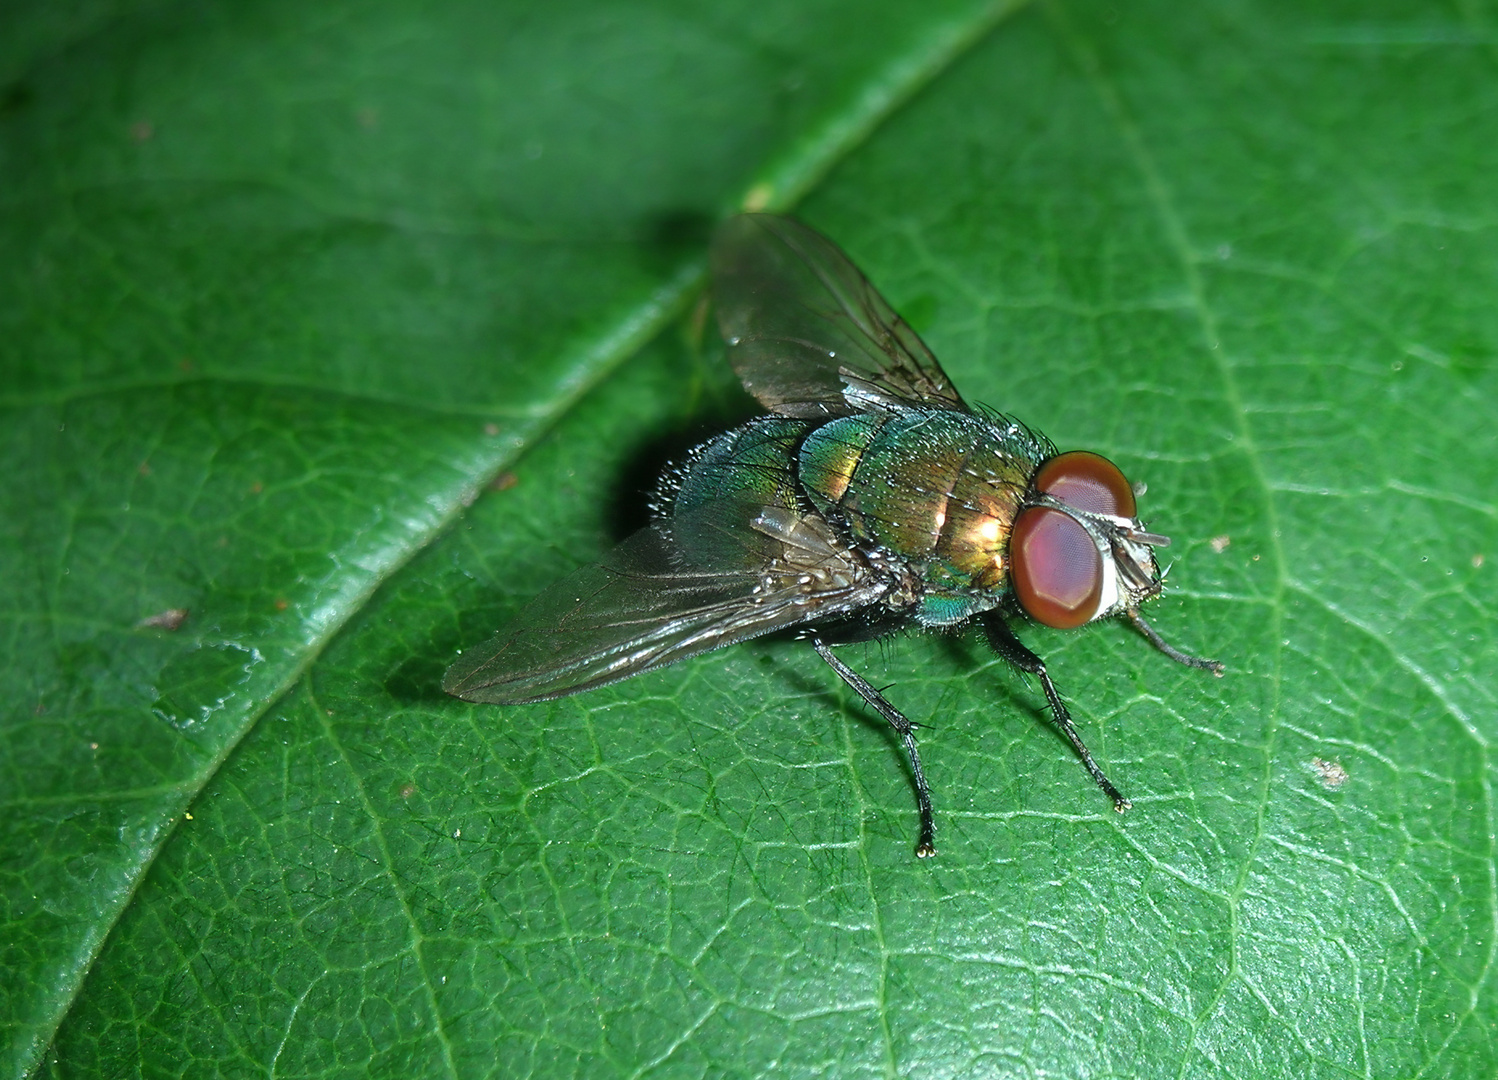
<point x="870" y="498"/>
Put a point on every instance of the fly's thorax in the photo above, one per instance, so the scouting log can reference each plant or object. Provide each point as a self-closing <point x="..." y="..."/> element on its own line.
<point x="935" y="487"/>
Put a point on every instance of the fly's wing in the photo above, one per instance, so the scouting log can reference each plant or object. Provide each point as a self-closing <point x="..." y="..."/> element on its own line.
<point x="722" y="573"/>
<point x="807" y="333"/>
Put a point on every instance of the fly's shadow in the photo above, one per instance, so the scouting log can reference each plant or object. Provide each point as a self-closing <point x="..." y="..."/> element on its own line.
<point x="1005" y="691"/>
<point x="655" y="455"/>
<point x="667" y="240"/>
<point x="715" y="402"/>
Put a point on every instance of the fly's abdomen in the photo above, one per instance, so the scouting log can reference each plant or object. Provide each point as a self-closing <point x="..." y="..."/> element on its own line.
<point x="936" y="487"/>
<point x="713" y="500"/>
<point x="752" y="465"/>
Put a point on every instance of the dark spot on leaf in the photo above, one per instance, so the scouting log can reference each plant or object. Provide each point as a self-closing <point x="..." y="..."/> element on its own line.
<point x="681" y="230"/>
<point x="15" y="97"/>
<point x="418" y="679"/>
<point x="671" y="238"/>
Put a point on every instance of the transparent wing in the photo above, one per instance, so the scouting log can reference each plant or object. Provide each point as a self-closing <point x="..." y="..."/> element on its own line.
<point x="807" y="333"/>
<point x="721" y="574"/>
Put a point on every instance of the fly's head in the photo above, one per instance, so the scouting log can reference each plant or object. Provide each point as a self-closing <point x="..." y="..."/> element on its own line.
<point x="1077" y="551"/>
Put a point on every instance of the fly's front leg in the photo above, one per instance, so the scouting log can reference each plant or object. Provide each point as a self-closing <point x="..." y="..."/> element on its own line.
<point x="925" y="846"/>
<point x="1154" y="638"/>
<point x="1013" y="650"/>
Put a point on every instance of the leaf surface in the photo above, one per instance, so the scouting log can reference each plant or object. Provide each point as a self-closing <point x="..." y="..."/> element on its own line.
<point x="287" y="290"/>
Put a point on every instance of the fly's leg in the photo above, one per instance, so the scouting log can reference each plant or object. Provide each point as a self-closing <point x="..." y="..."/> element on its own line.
<point x="924" y="847"/>
<point x="1214" y="666"/>
<point x="1013" y="650"/>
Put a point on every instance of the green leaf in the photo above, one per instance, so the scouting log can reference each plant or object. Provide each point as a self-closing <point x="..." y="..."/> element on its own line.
<point x="288" y="288"/>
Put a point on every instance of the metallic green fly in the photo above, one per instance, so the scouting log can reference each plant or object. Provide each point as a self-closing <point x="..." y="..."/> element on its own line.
<point x="871" y="498"/>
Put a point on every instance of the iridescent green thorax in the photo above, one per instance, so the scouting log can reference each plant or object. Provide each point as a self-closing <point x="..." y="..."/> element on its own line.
<point x="935" y="487"/>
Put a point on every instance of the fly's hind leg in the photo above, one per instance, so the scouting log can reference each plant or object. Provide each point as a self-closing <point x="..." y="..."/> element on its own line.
<point x="925" y="846"/>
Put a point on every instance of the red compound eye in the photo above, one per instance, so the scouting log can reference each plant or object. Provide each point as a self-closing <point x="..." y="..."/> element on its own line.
<point x="1055" y="566"/>
<point x="1087" y="481"/>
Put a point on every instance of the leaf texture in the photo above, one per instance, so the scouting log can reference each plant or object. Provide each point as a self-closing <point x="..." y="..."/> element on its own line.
<point x="287" y="290"/>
